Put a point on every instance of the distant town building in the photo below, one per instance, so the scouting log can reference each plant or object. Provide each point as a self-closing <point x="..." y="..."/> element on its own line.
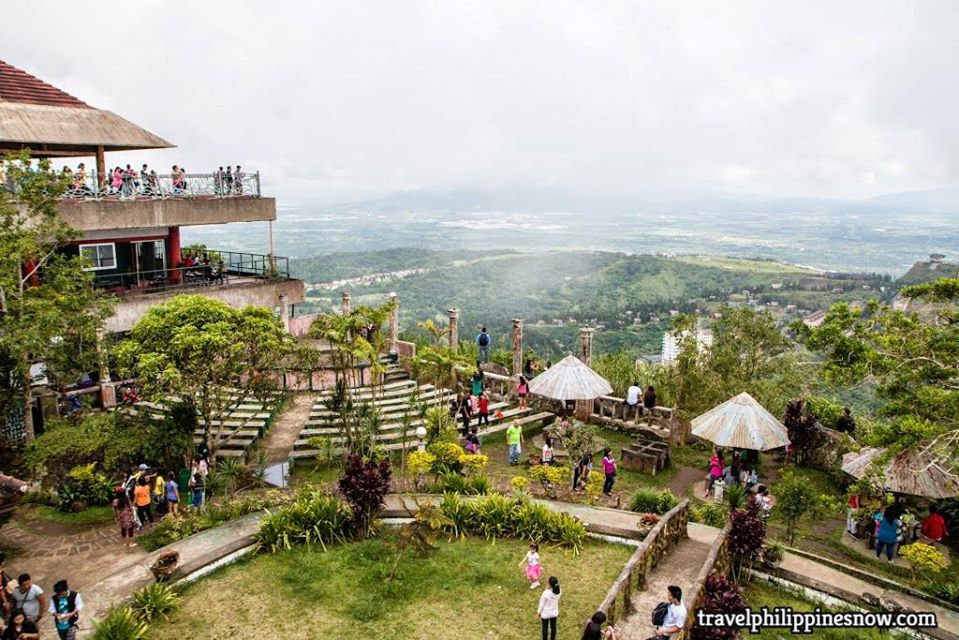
<point x="937" y="258"/>
<point x="814" y="319"/>
<point x="672" y="343"/>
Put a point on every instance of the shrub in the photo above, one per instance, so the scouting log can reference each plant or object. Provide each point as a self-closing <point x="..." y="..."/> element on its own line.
<point x="453" y="483"/>
<point x="470" y="463"/>
<point x="795" y="497"/>
<point x="948" y="591"/>
<point x="481" y="485"/>
<point x="120" y="624"/>
<point x="720" y="596"/>
<point x="923" y="558"/>
<point x="594" y="484"/>
<point x="773" y="554"/>
<point x="711" y="514"/>
<point x="364" y="484"/>
<point x="520" y="483"/>
<point x="313" y="517"/>
<point x="155" y="600"/>
<point x="497" y="516"/>
<point x="446" y="457"/>
<point x="420" y="462"/>
<point x="82" y="487"/>
<point x="825" y="410"/>
<point x="734" y="496"/>
<point x="652" y="501"/>
<point x="546" y="473"/>
<point x="747" y="536"/>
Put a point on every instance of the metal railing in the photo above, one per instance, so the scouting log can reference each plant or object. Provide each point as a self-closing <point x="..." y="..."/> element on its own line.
<point x="153" y="186"/>
<point x="223" y="266"/>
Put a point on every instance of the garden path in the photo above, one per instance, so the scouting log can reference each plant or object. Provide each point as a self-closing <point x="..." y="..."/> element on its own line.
<point x="284" y="432"/>
<point x="680" y="567"/>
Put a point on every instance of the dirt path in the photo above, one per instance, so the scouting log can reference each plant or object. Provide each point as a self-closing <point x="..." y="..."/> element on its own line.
<point x="685" y="480"/>
<point x="284" y="432"/>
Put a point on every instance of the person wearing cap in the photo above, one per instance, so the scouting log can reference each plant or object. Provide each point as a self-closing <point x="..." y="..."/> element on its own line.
<point x="65" y="607"/>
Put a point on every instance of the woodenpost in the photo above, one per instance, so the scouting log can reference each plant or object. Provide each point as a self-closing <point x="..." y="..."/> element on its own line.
<point x="345" y="303"/>
<point x="586" y="345"/>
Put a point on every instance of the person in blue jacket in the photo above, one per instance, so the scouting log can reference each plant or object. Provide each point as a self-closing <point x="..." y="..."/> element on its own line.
<point x="888" y="534"/>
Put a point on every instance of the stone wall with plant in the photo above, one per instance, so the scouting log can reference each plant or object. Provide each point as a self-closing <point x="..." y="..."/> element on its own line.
<point x="718" y="562"/>
<point x="670" y="529"/>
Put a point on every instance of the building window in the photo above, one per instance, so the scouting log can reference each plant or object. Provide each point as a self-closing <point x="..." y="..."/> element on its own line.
<point x="99" y="256"/>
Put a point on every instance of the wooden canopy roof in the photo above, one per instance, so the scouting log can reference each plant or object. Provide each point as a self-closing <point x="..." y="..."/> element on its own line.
<point x="49" y="122"/>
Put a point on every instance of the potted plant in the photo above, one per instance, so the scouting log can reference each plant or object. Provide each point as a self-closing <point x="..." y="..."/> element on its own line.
<point x="165" y="565"/>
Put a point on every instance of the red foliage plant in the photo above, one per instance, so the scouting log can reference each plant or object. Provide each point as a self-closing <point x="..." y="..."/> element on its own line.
<point x="720" y="596"/>
<point x="364" y="484"/>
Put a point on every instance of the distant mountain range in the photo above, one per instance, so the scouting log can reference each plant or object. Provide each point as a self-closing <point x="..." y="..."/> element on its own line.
<point x="942" y="201"/>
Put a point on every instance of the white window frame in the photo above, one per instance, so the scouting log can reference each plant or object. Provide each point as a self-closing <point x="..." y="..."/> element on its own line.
<point x="96" y="267"/>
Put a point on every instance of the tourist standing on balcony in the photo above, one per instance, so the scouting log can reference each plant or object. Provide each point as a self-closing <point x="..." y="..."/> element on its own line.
<point x="238" y="181"/>
<point x="649" y="399"/>
<point x="145" y="186"/>
<point x="129" y="181"/>
<point x="483" y="341"/>
<point x="218" y="182"/>
<point x="117" y="183"/>
<point x="228" y="180"/>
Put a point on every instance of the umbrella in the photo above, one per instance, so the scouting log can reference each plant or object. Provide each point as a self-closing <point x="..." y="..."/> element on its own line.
<point x="743" y="423"/>
<point x="570" y="379"/>
<point x="912" y="472"/>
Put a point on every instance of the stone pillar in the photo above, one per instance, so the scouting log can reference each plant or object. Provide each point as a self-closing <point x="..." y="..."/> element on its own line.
<point x="108" y="392"/>
<point x="394" y="322"/>
<point x="586" y="345"/>
<point x="454" y="315"/>
<point x="285" y="311"/>
<point x="517" y="346"/>
<point x="345" y="303"/>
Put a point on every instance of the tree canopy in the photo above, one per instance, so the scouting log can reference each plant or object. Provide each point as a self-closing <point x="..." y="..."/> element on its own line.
<point x="912" y="358"/>
<point x="204" y="350"/>
<point x="49" y="309"/>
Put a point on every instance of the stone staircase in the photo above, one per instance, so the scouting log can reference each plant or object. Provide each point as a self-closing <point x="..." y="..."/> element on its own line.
<point x="679" y="567"/>
<point x="393" y="402"/>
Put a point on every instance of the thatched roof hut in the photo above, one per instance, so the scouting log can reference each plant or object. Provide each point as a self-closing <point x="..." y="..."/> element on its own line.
<point x="49" y="122"/>
<point x="912" y="472"/>
<point x="570" y="379"/>
<point x="741" y="423"/>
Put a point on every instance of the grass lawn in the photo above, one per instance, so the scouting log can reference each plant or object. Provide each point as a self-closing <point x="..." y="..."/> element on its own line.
<point x="466" y="589"/>
<point x="88" y="517"/>
<point x="764" y="594"/>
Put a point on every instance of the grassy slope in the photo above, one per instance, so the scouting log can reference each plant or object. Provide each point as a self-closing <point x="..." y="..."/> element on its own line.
<point x="470" y="588"/>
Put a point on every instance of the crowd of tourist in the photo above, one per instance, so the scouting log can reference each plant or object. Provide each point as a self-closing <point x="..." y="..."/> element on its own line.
<point x="129" y="182"/>
<point x="23" y="604"/>
<point x="148" y="495"/>
<point x="887" y="529"/>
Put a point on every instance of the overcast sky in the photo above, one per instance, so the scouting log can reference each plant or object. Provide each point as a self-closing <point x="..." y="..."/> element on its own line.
<point x="351" y="99"/>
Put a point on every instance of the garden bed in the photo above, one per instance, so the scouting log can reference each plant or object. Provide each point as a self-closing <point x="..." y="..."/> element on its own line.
<point x="466" y="588"/>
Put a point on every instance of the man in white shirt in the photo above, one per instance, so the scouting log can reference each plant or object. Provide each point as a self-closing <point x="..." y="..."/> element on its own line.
<point x="675" y="618"/>
<point x="632" y="399"/>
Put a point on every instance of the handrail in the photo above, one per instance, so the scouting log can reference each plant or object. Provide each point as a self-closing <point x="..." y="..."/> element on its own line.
<point x="152" y="186"/>
<point x="716" y="560"/>
<point x="651" y="550"/>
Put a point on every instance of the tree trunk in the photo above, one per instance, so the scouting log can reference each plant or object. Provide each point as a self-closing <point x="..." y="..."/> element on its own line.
<point x="28" y="429"/>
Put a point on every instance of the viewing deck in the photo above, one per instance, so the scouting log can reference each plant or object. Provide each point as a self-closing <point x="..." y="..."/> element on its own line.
<point x="165" y="201"/>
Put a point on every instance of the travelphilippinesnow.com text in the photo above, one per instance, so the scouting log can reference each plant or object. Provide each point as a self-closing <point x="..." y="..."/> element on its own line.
<point x="809" y="621"/>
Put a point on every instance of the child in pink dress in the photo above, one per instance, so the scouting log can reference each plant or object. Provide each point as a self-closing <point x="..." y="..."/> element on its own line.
<point x="533" y="567"/>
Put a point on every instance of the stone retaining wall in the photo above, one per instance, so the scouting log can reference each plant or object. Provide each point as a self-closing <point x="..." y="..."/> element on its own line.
<point x="718" y="561"/>
<point x="668" y="531"/>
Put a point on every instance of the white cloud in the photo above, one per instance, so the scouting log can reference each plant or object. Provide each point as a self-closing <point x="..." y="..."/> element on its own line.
<point x="347" y="99"/>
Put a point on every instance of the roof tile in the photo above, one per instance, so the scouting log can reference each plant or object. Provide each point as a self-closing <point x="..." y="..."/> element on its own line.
<point x="19" y="86"/>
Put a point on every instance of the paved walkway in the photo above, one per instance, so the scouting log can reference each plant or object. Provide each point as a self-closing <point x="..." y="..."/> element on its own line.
<point x="948" y="619"/>
<point x="284" y="432"/>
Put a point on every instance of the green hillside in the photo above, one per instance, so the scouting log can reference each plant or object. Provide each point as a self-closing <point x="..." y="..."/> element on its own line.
<point x="557" y="292"/>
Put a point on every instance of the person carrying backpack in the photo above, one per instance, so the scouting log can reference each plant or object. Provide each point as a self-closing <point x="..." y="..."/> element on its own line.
<point x="483" y="341"/>
<point x="669" y="618"/>
<point x="65" y="607"/>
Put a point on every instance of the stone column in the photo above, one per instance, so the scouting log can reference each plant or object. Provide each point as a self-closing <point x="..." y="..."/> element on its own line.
<point x="108" y="391"/>
<point x="345" y="303"/>
<point x="285" y="311"/>
<point x="586" y="345"/>
<point x="454" y="315"/>
<point x="394" y="322"/>
<point x="517" y="346"/>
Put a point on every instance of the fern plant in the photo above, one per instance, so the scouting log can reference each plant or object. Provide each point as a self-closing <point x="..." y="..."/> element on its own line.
<point x="153" y="601"/>
<point x="120" y="624"/>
